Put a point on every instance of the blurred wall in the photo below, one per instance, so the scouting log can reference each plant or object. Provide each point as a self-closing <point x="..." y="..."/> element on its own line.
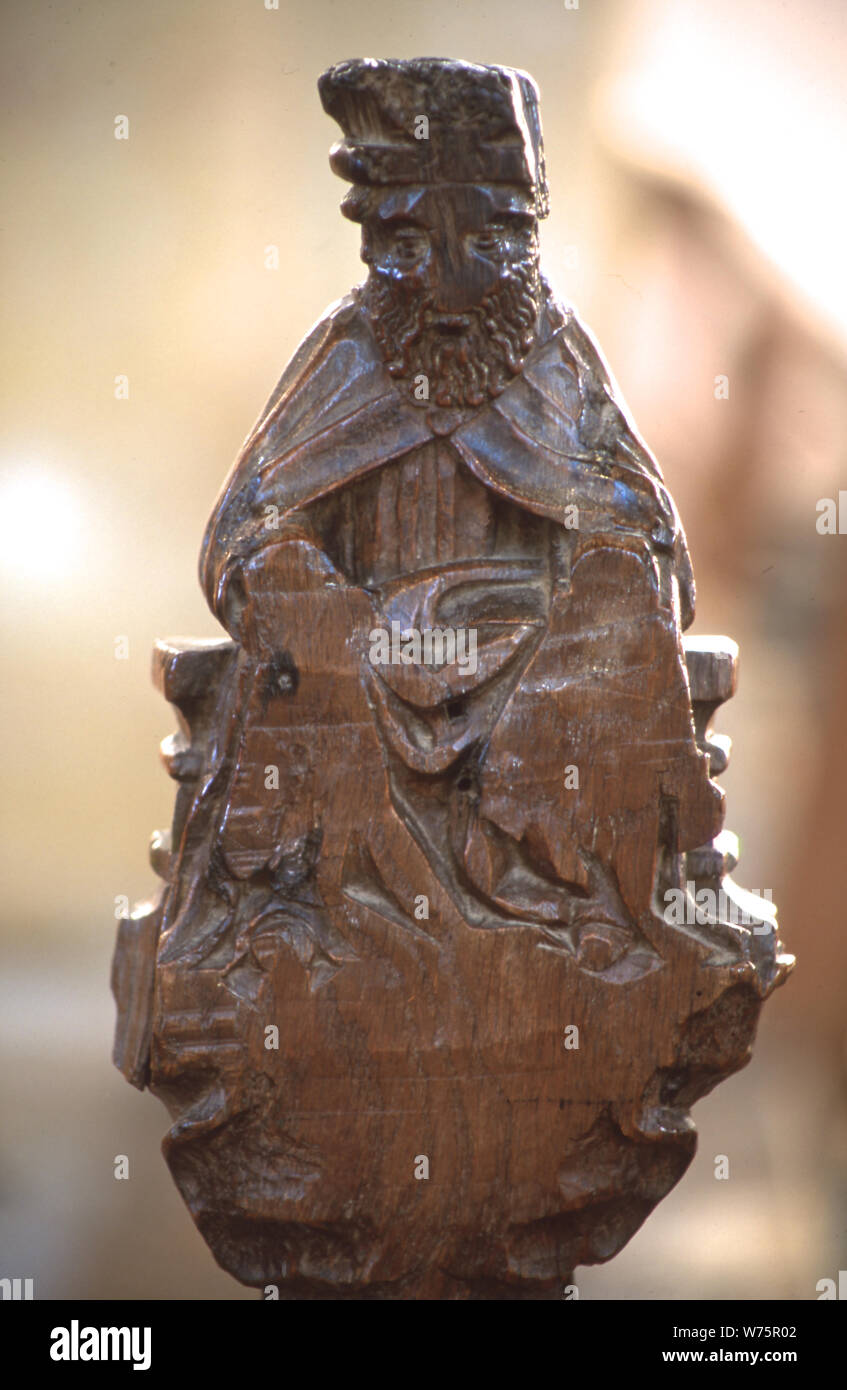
<point x="145" y="258"/>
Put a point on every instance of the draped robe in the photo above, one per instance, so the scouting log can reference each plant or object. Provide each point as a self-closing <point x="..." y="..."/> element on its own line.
<point x="541" y="521"/>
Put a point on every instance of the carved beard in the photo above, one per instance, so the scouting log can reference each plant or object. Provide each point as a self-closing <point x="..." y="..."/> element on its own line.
<point x="462" y="368"/>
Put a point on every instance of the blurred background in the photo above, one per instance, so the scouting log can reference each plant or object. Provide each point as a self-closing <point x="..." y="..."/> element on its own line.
<point x="695" y="160"/>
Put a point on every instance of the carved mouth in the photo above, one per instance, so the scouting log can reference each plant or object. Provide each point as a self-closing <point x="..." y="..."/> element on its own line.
<point x="452" y="325"/>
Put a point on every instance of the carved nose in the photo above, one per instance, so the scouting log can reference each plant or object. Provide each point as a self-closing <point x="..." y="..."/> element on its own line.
<point x="453" y="298"/>
<point x="458" y="289"/>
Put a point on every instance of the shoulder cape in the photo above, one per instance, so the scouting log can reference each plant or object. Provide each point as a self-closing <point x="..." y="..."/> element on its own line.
<point x="558" y="436"/>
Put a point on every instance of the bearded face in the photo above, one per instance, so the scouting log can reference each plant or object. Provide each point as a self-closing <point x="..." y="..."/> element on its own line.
<point x="454" y="290"/>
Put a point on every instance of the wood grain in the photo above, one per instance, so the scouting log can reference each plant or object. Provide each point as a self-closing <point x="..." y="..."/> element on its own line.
<point x="430" y="987"/>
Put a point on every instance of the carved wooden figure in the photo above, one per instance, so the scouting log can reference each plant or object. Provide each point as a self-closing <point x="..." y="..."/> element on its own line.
<point x="447" y="944"/>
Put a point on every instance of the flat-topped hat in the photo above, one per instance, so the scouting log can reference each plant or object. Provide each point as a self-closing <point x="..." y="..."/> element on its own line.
<point x="481" y="124"/>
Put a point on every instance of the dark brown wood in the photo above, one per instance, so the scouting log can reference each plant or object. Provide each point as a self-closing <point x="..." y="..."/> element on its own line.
<point x="447" y="945"/>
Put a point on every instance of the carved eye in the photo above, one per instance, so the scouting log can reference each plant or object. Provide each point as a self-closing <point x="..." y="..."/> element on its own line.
<point x="488" y="242"/>
<point x="508" y="234"/>
<point x="409" y="245"/>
